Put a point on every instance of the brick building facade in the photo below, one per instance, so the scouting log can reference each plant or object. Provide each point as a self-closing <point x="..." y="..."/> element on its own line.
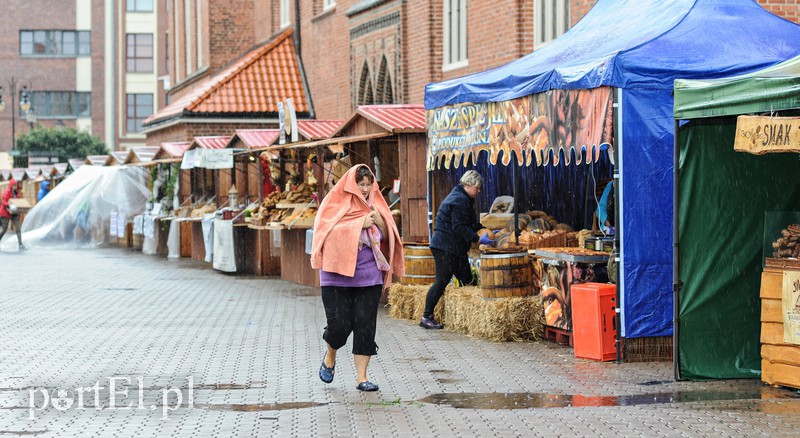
<point x="358" y="52"/>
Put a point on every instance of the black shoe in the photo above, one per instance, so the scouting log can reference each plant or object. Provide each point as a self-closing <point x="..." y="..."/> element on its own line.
<point x="430" y="323"/>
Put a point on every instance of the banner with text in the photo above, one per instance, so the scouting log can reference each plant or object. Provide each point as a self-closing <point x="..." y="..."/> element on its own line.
<point x="760" y="135"/>
<point x="791" y="307"/>
<point x="537" y="128"/>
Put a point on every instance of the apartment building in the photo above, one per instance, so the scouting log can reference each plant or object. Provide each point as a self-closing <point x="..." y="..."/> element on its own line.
<point x="93" y="65"/>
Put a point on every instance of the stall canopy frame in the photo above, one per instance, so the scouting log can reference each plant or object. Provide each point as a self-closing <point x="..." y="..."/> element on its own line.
<point x="652" y="44"/>
<point x="717" y="305"/>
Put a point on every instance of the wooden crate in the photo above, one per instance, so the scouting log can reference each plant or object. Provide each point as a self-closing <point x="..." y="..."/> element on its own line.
<point x="780" y="362"/>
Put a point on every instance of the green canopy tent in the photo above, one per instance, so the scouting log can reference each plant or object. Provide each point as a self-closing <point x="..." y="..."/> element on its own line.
<point x="721" y="197"/>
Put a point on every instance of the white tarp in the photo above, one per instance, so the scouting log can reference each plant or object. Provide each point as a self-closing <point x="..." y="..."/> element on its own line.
<point x="224" y="258"/>
<point x="77" y="212"/>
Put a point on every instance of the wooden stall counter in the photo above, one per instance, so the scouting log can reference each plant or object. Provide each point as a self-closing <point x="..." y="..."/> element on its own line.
<point x="780" y="352"/>
<point x="255" y="250"/>
<point x="295" y="263"/>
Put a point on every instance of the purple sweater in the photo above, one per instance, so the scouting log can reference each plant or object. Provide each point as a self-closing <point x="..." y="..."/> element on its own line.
<point x="367" y="272"/>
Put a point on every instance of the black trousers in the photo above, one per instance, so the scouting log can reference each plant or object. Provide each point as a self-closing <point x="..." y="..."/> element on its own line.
<point x="448" y="264"/>
<point x="4" y="227"/>
<point x="352" y="310"/>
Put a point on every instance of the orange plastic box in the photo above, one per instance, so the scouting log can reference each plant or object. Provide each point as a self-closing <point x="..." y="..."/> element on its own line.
<point x="594" y="321"/>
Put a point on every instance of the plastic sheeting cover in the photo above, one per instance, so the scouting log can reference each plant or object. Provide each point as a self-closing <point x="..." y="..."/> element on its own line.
<point x="76" y="213"/>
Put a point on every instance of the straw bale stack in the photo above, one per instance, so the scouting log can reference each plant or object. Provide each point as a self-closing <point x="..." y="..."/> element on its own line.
<point x="464" y="310"/>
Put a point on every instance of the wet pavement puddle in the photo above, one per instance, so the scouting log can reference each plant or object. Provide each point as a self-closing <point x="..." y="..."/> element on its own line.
<point x="527" y="400"/>
<point x="257" y="407"/>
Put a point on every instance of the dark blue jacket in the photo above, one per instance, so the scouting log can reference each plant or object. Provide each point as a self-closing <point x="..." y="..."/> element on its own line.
<point x="456" y="223"/>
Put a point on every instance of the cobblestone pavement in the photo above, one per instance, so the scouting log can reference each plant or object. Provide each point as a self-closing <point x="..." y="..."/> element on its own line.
<point x="250" y="348"/>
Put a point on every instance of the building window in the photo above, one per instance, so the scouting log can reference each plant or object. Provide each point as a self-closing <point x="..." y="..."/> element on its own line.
<point x="455" y="34"/>
<point x="51" y="43"/>
<point x="140" y="107"/>
<point x="140" y="6"/>
<point x="140" y="53"/>
<point x="551" y="20"/>
<point x="285" y="14"/>
<point x="327" y="4"/>
<point x="61" y="104"/>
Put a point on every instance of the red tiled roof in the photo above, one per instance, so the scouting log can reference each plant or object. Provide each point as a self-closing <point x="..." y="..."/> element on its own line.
<point x="220" y="142"/>
<point x="318" y="129"/>
<point x="141" y="154"/>
<point x="172" y="150"/>
<point x="253" y="84"/>
<point x="256" y="138"/>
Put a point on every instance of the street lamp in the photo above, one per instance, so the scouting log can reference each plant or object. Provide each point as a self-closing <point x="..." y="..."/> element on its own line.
<point x="24" y="105"/>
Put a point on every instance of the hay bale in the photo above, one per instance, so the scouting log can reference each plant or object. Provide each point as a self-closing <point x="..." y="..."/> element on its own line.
<point x="464" y="310"/>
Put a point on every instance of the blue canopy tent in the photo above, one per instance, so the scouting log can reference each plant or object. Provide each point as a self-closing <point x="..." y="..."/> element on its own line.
<point x="639" y="47"/>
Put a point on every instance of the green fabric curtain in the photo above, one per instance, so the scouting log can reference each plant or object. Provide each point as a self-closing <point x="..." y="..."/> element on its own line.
<point x="723" y="196"/>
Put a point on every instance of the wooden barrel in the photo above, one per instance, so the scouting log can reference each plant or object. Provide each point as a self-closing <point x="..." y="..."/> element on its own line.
<point x="420" y="268"/>
<point x="506" y="275"/>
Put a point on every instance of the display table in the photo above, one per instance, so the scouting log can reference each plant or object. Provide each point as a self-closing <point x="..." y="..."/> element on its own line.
<point x="780" y="358"/>
<point x="561" y="269"/>
<point x="295" y="263"/>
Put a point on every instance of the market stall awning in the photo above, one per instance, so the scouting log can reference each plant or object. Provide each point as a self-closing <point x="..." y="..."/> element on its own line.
<point x="775" y="88"/>
<point x="253" y="138"/>
<point x="318" y="129"/>
<point x="171" y="150"/>
<point x="61" y="168"/>
<point x="19" y="174"/>
<point x="33" y="173"/>
<point x="5" y="174"/>
<point x="141" y="155"/>
<point x="211" y="142"/>
<point x="75" y="163"/>
<point x="98" y="160"/>
<point x="253" y="84"/>
<point x="118" y="157"/>
<point x="330" y="142"/>
<point x="392" y="118"/>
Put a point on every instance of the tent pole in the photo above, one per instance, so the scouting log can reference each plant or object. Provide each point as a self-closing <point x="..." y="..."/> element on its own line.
<point x="617" y="143"/>
<point x="516" y="208"/>
<point x="676" y="272"/>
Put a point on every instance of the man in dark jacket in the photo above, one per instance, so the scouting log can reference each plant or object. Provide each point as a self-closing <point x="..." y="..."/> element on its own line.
<point x="456" y="224"/>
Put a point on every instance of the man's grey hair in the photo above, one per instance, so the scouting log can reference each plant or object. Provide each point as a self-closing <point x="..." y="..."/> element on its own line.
<point x="472" y="178"/>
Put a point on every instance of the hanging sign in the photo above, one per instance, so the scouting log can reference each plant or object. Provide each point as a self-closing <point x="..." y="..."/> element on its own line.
<point x="188" y="159"/>
<point x="791" y="307"/>
<point x="539" y="128"/>
<point x="760" y="135"/>
<point x="214" y="158"/>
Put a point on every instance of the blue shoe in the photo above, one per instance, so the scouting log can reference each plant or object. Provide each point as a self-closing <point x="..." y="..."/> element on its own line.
<point x="367" y="386"/>
<point x="325" y="373"/>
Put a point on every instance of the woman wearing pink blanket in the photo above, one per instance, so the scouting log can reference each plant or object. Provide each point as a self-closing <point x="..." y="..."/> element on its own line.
<point x="357" y="248"/>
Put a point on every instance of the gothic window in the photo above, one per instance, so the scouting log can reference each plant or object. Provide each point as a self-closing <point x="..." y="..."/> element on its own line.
<point x="365" y="94"/>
